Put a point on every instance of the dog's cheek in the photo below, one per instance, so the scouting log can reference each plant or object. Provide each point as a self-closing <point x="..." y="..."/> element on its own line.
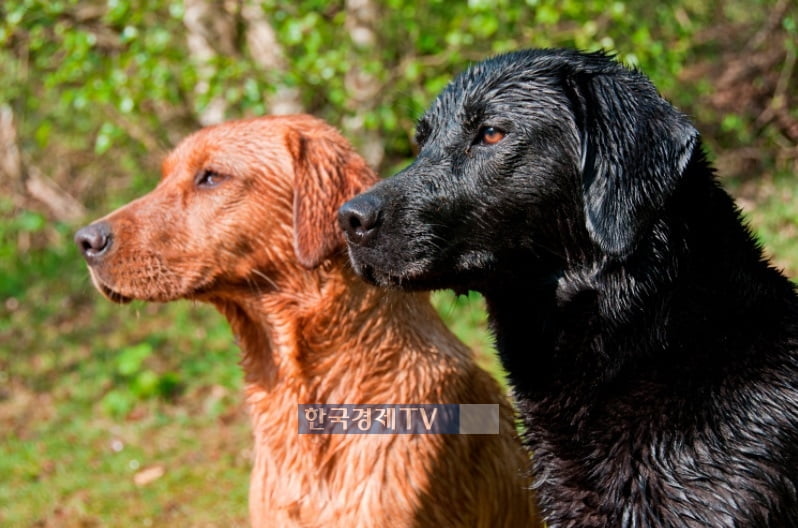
<point x="243" y="257"/>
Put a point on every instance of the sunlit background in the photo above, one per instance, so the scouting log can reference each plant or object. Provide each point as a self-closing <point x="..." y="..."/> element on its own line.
<point x="132" y="415"/>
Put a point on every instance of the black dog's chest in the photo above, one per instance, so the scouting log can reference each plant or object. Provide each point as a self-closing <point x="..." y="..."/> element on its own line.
<point x="626" y="435"/>
<point x="638" y="473"/>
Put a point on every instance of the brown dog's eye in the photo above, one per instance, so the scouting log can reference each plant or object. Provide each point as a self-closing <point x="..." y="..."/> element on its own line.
<point x="208" y="178"/>
<point x="490" y="135"/>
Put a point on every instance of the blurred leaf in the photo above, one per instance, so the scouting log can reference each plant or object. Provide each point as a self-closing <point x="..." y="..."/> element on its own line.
<point x="145" y="384"/>
<point x="31" y="221"/>
<point x="131" y="358"/>
<point x="117" y="403"/>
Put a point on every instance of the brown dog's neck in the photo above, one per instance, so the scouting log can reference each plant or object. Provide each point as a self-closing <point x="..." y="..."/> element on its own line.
<point x="326" y="335"/>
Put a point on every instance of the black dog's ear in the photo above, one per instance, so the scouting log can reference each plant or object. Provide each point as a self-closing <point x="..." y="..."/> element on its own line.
<point x="635" y="147"/>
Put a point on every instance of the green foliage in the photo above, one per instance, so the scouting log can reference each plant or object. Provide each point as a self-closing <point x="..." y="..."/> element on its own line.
<point x="119" y="77"/>
<point x="771" y="206"/>
<point x="91" y="393"/>
<point x="465" y="317"/>
<point x="422" y="44"/>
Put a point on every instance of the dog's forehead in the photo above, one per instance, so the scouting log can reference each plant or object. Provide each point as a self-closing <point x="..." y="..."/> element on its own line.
<point x="187" y="153"/>
<point x="521" y="81"/>
<point x="234" y="148"/>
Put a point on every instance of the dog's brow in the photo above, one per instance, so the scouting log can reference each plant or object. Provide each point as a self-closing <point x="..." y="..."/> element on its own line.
<point x="473" y="114"/>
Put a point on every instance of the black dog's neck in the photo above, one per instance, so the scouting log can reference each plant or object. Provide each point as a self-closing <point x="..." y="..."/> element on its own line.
<point x="688" y="276"/>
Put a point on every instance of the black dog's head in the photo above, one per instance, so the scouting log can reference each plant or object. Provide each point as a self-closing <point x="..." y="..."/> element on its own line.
<point x="538" y="151"/>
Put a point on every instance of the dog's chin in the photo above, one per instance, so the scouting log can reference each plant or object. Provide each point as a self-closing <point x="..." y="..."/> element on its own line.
<point x="161" y="289"/>
<point x="425" y="274"/>
<point x="411" y="279"/>
<point x="111" y="295"/>
<point x="402" y="281"/>
<point x="106" y="290"/>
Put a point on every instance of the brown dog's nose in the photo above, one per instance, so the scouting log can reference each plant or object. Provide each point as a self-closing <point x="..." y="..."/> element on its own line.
<point x="94" y="241"/>
<point x="360" y="217"/>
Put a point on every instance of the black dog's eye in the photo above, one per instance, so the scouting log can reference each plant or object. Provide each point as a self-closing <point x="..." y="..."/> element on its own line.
<point x="489" y="135"/>
<point x="207" y="179"/>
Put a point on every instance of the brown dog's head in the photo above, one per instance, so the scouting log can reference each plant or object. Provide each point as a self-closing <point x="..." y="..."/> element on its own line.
<point x="238" y="204"/>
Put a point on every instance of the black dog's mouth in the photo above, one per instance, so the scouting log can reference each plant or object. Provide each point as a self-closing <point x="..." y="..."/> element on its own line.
<point x="406" y="281"/>
<point x="449" y="269"/>
<point x="387" y="280"/>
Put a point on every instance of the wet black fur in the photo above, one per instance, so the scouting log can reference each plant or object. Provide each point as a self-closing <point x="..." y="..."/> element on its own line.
<point x="652" y="348"/>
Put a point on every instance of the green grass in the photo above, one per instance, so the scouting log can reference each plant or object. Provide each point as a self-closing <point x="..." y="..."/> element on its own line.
<point x="93" y="393"/>
<point x="771" y="207"/>
<point x="77" y="424"/>
<point x="75" y="467"/>
<point x="465" y="316"/>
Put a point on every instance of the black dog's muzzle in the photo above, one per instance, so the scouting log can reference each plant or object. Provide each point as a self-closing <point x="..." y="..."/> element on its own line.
<point x="360" y="218"/>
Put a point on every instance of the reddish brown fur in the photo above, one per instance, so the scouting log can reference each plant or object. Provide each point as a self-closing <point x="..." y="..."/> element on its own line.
<point x="262" y="246"/>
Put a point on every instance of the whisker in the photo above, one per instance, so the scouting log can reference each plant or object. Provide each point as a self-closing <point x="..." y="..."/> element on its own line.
<point x="265" y="277"/>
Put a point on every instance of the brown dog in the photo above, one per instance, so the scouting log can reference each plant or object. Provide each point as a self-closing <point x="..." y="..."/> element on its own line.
<point x="244" y="218"/>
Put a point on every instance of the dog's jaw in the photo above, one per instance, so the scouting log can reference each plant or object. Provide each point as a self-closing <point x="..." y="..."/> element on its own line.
<point x="107" y="292"/>
<point x="424" y="274"/>
<point x="385" y="279"/>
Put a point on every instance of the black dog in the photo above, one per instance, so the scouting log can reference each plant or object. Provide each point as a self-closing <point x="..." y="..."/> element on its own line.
<point x="653" y="350"/>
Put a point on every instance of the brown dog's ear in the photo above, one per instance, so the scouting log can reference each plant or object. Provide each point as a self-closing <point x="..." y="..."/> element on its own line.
<point x="328" y="172"/>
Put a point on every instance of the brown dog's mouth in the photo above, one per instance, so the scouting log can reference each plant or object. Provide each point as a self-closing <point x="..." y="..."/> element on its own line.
<point x="107" y="292"/>
<point x="112" y="295"/>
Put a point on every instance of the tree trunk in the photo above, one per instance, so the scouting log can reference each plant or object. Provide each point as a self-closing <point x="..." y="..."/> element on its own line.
<point x="29" y="180"/>
<point x="211" y="31"/>
<point x="362" y="87"/>
<point x="267" y="53"/>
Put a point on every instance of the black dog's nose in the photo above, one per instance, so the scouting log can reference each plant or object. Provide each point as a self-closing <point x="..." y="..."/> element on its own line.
<point x="94" y="240"/>
<point x="360" y="217"/>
